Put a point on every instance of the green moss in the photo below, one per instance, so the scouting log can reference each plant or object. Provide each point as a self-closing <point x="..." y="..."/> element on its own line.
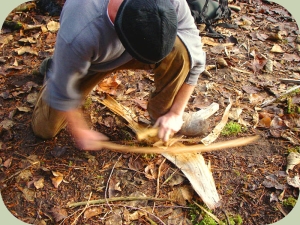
<point x="195" y="215"/>
<point x="238" y="220"/>
<point x="199" y="217"/>
<point x="87" y="104"/>
<point x="295" y="149"/>
<point x="290" y="201"/>
<point x="207" y="220"/>
<point x="148" y="156"/>
<point x="231" y="128"/>
<point x="13" y="25"/>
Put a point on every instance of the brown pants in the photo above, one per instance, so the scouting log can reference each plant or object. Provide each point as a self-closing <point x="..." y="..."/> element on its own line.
<point x="169" y="76"/>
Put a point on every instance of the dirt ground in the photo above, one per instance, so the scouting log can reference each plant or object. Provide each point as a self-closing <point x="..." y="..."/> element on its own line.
<point x="39" y="178"/>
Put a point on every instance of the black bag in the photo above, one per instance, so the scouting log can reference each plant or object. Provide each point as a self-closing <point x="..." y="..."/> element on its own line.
<point x="208" y="12"/>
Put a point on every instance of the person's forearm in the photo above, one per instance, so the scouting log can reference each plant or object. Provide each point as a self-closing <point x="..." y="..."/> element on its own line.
<point x="182" y="99"/>
<point x="85" y="138"/>
<point x="75" y="120"/>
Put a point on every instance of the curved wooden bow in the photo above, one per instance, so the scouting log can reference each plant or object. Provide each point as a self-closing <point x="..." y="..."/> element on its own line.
<point x="182" y="149"/>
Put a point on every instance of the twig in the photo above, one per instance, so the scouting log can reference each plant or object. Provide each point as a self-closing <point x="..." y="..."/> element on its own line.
<point x="170" y="177"/>
<point x="158" y="175"/>
<point x="86" y="206"/>
<point x="290" y="81"/>
<point x="135" y="208"/>
<point x="280" y="208"/>
<point x="151" y="221"/>
<point x="234" y="8"/>
<point x="38" y="211"/>
<point x="15" y="174"/>
<point x="207" y="212"/>
<point x="266" y="103"/>
<point x="107" y="184"/>
<point x="157" y="182"/>
<point x="239" y="70"/>
<point x="69" y="216"/>
<point x="227" y="218"/>
<point x="115" y="199"/>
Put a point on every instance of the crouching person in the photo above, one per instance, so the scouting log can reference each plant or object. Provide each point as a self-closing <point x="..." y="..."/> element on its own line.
<point x="99" y="37"/>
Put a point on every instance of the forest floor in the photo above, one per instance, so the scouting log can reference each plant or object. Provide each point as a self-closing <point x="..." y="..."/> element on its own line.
<point x="255" y="67"/>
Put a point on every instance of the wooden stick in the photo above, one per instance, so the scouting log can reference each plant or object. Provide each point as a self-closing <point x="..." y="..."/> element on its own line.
<point x="116" y="199"/>
<point x="234" y="8"/>
<point x="179" y="150"/>
<point x="268" y="102"/>
<point x="290" y="81"/>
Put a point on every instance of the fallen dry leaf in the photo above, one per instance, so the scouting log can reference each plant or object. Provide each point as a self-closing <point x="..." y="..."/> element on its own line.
<point x="7" y="124"/>
<point x="277" y="123"/>
<point x="114" y="187"/>
<point x="59" y="214"/>
<point x="142" y="103"/>
<point x="90" y="212"/>
<point x="53" y="26"/>
<point x="277" y="49"/>
<point x="291" y="57"/>
<point x="151" y="171"/>
<point x="129" y="90"/>
<point x="271" y="182"/>
<point x="28" y="194"/>
<point x="259" y="61"/>
<point x="26" y="49"/>
<point x="250" y="89"/>
<point x="39" y="183"/>
<point x="57" y="179"/>
<point x="294" y="181"/>
<point x="7" y="162"/>
<point x="6" y="39"/>
<point x="182" y="194"/>
<point x="109" y="85"/>
<point x="24" y="109"/>
<point x="28" y="40"/>
<point x="265" y="121"/>
<point x="293" y="159"/>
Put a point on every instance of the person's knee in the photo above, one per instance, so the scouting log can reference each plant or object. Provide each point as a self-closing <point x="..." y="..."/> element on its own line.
<point x="42" y="130"/>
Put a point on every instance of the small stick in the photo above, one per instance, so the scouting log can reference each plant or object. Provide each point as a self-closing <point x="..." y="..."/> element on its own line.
<point x="239" y="70"/>
<point x="234" y="8"/>
<point x="112" y="170"/>
<point x="86" y="206"/>
<point x="115" y="199"/>
<point x="170" y="177"/>
<point x="266" y="103"/>
<point x="207" y="212"/>
<point x="290" y="81"/>
<point x="15" y="174"/>
<point x="158" y="175"/>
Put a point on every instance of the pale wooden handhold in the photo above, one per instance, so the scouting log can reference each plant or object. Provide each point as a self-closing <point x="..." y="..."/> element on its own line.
<point x="195" y="123"/>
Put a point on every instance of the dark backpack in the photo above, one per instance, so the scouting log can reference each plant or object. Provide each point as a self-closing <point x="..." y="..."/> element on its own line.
<point x="209" y="11"/>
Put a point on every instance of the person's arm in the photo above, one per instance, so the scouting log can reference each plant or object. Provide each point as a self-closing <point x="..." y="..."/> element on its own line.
<point x="84" y="137"/>
<point x="172" y="121"/>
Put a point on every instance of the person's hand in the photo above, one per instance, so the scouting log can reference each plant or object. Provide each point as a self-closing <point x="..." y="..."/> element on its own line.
<point x="168" y="124"/>
<point x="88" y="139"/>
<point x="85" y="138"/>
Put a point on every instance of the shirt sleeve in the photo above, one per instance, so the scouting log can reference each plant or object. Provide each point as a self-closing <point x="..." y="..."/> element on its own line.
<point x="69" y="65"/>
